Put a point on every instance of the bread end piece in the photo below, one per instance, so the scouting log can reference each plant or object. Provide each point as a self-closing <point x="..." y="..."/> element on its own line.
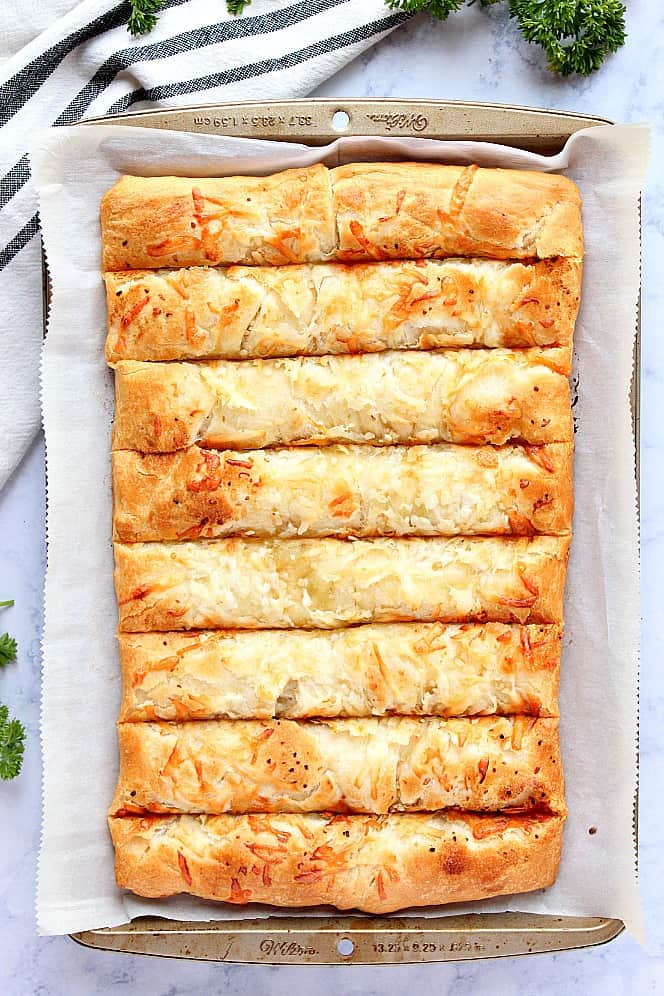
<point x="172" y="221"/>
<point x="377" y="865"/>
<point x="410" y="210"/>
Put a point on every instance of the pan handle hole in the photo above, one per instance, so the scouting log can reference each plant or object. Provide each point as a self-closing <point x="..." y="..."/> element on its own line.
<point x="340" y="120"/>
<point x="345" y="947"/>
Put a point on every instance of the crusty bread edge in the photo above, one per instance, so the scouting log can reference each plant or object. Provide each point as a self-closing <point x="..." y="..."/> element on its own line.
<point x="398" y="862"/>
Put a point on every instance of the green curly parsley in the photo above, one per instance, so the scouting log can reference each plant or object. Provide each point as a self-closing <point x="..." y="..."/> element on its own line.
<point x="8" y="649"/>
<point x="144" y="13"/>
<point x="12" y="745"/>
<point x="576" y="35"/>
<point x="236" y="7"/>
<point x="440" y="9"/>
<point x="143" y="16"/>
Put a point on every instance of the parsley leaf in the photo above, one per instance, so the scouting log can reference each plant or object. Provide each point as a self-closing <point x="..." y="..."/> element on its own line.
<point x="440" y="9"/>
<point x="145" y="13"/>
<point x="8" y="604"/>
<point x="236" y="7"/>
<point x="12" y="745"/>
<point x="143" y="16"/>
<point x="8" y="649"/>
<point x="576" y="35"/>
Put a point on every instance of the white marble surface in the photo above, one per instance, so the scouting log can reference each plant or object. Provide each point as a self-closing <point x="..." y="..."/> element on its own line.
<point x="475" y="56"/>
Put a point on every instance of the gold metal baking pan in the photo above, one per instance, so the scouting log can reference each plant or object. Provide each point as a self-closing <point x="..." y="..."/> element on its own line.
<point x="317" y="122"/>
<point x="364" y="940"/>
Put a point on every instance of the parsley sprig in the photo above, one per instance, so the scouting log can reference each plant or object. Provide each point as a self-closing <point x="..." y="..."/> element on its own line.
<point x="143" y="16"/>
<point x="12" y="745"/>
<point x="12" y="731"/>
<point x="440" y="9"/>
<point x="237" y="6"/>
<point x="576" y="35"/>
<point x="7" y="650"/>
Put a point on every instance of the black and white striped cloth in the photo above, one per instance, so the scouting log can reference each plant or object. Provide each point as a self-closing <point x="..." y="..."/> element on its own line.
<point x="87" y="65"/>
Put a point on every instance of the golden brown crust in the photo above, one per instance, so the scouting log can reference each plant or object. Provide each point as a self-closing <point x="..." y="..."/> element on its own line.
<point x="395" y="210"/>
<point x="343" y="491"/>
<point x="245" y="312"/>
<point x="394" y="764"/>
<point x="365" y="211"/>
<point x="150" y="222"/>
<point x="417" y="669"/>
<point x="374" y="864"/>
<point x="364" y="648"/>
<point x="459" y="396"/>
<point x="331" y="583"/>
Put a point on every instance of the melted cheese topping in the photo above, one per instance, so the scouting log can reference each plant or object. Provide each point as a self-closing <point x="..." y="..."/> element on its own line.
<point x="245" y="312"/>
<point x="399" y="668"/>
<point x="460" y="396"/>
<point x="354" y="765"/>
<point x="372" y="863"/>
<point x="342" y="491"/>
<point x="328" y="584"/>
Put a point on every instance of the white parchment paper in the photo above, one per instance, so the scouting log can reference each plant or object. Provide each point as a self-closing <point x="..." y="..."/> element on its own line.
<point x="72" y="168"/>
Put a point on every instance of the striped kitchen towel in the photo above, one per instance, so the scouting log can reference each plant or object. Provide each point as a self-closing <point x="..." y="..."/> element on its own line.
<point x="87" y="65"/>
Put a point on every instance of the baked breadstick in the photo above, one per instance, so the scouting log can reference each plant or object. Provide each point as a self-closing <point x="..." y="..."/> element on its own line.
<point x="339" y="765"/>
<point x="458" y="396"/>
<point x="149" y="222"/>
<point x="331" y="583"/>
<point x="411" y="669"/>
<point x="413" y="210"/>
<point x="441" y="490"/>
<point x="245" y="312"/>
<point x="362" y="211"/>
<point x="369" y="863"/>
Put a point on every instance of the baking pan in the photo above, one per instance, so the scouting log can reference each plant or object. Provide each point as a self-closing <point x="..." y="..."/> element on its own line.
<point x="365" y="940"/>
